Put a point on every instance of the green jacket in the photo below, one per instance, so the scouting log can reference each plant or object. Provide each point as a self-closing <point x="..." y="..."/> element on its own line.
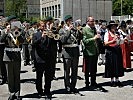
<point x="89" y="43"/>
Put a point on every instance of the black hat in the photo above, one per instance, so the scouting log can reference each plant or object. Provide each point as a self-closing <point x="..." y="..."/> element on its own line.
<point x="67" y="17"/>
<point x="11" y="18"/>
<point x="123" y="24"/>
<point x="111" y="23"/>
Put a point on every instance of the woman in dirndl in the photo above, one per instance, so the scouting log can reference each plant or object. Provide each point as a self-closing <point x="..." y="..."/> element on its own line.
<point x="125" y="46"/>
<point x="113" y="57"/>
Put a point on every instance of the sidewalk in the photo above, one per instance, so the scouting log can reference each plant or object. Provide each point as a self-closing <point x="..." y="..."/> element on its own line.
<point x="28" y="90"/>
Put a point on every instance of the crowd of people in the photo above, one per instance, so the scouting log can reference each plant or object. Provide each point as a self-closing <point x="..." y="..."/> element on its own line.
<point x="40" y="43"/>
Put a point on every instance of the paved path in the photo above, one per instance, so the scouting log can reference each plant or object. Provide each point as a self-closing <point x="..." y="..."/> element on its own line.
<point x="28" y="91"/>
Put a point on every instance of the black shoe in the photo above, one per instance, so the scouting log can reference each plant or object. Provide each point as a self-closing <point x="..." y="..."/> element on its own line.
<point x="68" y="90"/>
<point x="40" y="94"/>
<point x="95" y="85"/>
<point x="74" y="90"/>
<point x="119" y="84"/>
<point x="3" y="82"/>
<point x="87" y="86"/>
<point x="59" y="61"/>
<point x="25" y="64"/>
<point x="55" y="78"/>
<point x="100" y="63"/>
<point x="113" y="84"/>
<point x="48" y="94"/>
<point x="33" y="69"/>
<point x="12" y="97"/>
<point x="28" y="63"/>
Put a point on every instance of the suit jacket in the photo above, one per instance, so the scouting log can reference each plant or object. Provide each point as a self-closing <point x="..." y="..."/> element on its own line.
<point x="90" y="44"/>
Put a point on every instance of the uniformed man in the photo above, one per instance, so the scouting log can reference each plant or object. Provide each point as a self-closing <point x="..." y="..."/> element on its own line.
<point x="70" y="54"/>
<point x="12" y="59"/>
<point x="26" y="55"/>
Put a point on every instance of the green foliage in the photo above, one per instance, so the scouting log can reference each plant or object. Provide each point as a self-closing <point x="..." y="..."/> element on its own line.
<point x="15" y="7"/>
<point x="127" y="7"/>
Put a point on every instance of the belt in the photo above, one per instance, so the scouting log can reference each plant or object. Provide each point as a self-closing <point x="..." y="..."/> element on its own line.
<point x="12" y="49"/>
<point x="71" y="45"/>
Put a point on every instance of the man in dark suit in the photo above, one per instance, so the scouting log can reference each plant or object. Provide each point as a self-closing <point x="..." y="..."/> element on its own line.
<point x="43" y="50"/>
<point x="3" y="71"/>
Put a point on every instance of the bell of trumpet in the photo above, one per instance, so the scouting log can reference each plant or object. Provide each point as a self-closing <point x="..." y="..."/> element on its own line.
<point x="56" y="37"/>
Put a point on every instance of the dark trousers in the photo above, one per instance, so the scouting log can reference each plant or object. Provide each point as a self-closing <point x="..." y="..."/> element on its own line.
<point x="26" y="55"/>
<point x="91" y="68"/>
<point x="70" y="81"/>
<point x="43" y="69"/>
<point x="60" y="46"/>
<point x="3" y="72"/>
<point x="13" y="69"/>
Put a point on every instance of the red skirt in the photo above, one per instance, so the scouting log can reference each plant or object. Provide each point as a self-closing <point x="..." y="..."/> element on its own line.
<point x="131" y="43"/>
<point x="126" y="55"/>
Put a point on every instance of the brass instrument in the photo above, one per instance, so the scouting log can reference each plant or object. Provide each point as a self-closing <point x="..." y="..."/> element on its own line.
<point x="28" y="39"/>
<point x="50" y="34"/>
<point x="19" y="39"/>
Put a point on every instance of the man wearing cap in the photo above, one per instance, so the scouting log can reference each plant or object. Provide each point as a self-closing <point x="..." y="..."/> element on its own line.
<point x="12" y="59"/>
<point x="32" y="31"/>
<point x="69" y="39"/>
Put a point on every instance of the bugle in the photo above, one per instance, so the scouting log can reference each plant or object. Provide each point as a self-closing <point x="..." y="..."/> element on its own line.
<point x="50" y="34"/>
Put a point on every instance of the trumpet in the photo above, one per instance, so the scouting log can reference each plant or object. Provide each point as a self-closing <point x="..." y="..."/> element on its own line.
<point x="50" y="34"/>
<point x="19" y="39"/>
<point x="16" y="33"/>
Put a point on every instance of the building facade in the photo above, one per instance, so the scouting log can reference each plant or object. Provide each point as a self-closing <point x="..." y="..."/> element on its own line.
<point x="33" y="8"/>
<point x="1" y="7"/>
<point x="79" y="9"/>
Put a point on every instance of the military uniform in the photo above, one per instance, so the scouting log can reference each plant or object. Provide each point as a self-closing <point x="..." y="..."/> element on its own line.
<point x="25" y="47"/>
<point x="70" y="56"/>
<point x="12" y="59"/>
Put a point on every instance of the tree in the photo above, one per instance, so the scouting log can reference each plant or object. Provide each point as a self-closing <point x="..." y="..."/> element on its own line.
<point x="15" y="7"/>
<point x="127" y="7"/>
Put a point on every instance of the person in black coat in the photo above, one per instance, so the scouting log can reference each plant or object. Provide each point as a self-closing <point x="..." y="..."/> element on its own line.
<point x="3" y="71"/>
<point x="42" y="60"/>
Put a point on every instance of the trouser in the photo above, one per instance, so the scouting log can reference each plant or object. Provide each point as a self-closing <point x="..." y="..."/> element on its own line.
<point x="42" y="68"/>
<point x="26" y="55"/>
<point x="13" y="71"/>
<point x="59" y="50"/>
<point x="3" y="72"/>
<point x="70" y="81"/>
<point x="91" y="68"/>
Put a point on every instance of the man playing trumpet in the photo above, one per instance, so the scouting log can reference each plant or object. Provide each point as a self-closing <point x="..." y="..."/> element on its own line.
<point x="12" y="59"/>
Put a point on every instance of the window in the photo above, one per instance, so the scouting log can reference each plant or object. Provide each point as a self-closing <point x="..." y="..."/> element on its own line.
<point x="43" y="12"/>
<point x="47" y="11"/>
<point x="55" y="11"/>
<point x="59" y="11"/>
<point x="50" y="11"/>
